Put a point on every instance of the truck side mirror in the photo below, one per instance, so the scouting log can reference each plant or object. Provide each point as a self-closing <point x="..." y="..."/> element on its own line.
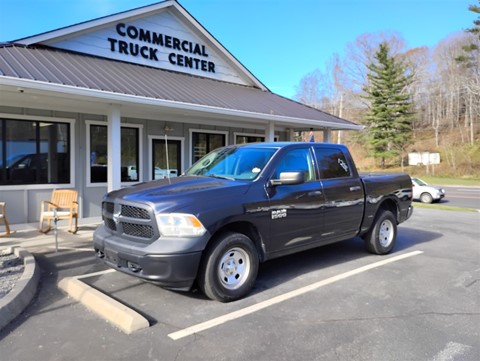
<point x="288" y="178"/>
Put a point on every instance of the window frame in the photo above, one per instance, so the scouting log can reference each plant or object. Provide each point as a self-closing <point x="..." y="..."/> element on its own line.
<point x="89" y="123"/>
<point x="242" y="134"/>
<point x="151" y="138"/>
<point x="34" y="118"/>
<point x="205" y="131"/>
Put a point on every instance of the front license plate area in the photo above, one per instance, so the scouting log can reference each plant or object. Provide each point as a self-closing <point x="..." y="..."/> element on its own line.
<point x="112" y="257"/>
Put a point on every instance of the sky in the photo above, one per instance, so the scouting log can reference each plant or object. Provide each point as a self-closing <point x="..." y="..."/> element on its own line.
<point x="279" y="41"/>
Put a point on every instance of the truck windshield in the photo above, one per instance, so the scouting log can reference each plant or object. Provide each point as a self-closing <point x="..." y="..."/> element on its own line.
<point x="235" y="163"/>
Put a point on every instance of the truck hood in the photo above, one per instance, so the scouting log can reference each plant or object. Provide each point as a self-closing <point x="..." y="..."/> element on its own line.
<point x="179" y="192"/>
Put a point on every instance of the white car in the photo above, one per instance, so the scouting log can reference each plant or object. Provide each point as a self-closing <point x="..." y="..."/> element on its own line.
<point x="426" y="193"/>
<point x="159" y="173"/>
<point x="132" y="172"/>
<point x="164" y="173"/>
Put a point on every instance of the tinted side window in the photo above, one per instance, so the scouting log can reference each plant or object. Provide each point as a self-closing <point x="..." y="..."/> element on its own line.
<point x="332" y="163"/>
<point x="297" y="160"/>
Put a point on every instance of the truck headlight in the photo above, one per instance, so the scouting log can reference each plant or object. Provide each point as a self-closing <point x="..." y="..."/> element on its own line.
<point x="179" y="225"/>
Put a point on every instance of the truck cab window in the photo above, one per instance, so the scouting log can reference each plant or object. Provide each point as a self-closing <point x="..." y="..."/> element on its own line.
<point x="297" y="160"/>
<point x="332" y="163"/>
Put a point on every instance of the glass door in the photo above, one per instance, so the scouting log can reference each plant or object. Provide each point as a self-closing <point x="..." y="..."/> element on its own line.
<point x="161" y="168"/>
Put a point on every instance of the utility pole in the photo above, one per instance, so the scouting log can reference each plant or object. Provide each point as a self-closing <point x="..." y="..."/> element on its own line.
<point x="340" y="114"/>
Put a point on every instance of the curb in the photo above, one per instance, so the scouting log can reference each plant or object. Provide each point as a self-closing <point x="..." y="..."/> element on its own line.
<point x="15" y="301"/>
<point x="106" y="307"/>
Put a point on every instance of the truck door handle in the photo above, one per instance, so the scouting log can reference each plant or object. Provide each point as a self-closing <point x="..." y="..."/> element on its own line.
<point x="354" y="189"/>
<point x="314" y="193"/>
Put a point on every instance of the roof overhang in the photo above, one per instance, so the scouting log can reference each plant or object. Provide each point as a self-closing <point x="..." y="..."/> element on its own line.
<point x="99" y="101"/>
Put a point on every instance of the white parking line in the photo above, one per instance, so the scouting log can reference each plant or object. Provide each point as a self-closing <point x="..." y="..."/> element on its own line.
<point x="281" y="298"/>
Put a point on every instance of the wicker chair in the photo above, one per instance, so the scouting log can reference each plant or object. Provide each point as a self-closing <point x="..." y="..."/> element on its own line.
<point x="64" y="203"/>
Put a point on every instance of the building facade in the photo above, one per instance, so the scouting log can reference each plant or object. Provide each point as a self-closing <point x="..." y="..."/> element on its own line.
<point x="127" y="98"/>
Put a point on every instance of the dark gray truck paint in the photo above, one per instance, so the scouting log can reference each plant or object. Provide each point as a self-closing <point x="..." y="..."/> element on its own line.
<point x="329" y="204"/>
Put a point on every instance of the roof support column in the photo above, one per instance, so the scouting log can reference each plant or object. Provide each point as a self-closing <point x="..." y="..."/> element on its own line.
<point x="327" y="135"/>
<point x="114" y="148"/>
<point x="291" y="135"/>
<point x="270" y="132"/>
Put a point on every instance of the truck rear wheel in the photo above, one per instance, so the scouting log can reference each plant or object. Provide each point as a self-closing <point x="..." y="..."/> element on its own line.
<point x="229" y="268"/>
<point x="381" y="237"/>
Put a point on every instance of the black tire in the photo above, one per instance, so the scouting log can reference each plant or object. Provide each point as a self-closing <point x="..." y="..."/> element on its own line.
<point x="426" y="198"/>
<point x="229" y="268"/>
<point x="381" y="237"/>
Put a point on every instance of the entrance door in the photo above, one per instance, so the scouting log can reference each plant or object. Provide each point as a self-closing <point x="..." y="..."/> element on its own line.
<point x="160" y="167"/>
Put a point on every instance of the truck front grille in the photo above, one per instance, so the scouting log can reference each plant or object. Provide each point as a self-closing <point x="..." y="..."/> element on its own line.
<point x="108" y="207"/>
<point x="110" y="224"/>
<point x="134" y="212"/>
<point x="134" y="222"/>
<point x="138" y="230"/>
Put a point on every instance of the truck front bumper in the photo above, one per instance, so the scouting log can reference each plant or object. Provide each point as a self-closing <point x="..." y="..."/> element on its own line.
<point x="175" y="270"/>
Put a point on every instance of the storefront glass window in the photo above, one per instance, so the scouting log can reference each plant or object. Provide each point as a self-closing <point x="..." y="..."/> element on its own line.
<point x="34" y="152"/>
<point x="242" y="139"/>
<point x="99" y="158"/>
<point x="166" y="163"/>
<point x="130" y="151"/>
<point x="203" y="143"/>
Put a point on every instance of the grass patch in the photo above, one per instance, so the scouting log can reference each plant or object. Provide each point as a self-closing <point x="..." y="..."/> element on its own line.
<point x="446" y="181"/>
<point x="442" y="207"/>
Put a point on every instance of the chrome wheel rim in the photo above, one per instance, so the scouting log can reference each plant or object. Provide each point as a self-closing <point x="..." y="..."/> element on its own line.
<point x="386" y="233"/>
<point x="234" y="268"/>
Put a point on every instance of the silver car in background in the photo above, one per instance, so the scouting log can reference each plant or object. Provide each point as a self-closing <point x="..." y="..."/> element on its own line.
<point x="425" y="192"/>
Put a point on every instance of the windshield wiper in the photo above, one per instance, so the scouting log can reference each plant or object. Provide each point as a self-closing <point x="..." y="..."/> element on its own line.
<point x="220" y="176"/>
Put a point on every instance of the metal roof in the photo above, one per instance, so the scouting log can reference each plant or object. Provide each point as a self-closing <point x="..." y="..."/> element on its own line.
<point x="53" y="66"/>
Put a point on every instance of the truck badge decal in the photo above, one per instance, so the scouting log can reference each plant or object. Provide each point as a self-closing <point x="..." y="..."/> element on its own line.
<point x="343" y="165"/>
<point x="280" y="213"/>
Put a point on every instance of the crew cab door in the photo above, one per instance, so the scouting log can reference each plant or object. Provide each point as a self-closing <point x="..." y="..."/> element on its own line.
<point x="295" y="208"/>
<point x="344" y="194"/>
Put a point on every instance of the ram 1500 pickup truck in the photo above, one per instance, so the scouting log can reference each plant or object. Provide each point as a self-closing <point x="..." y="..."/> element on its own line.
<point x="241" y="205"/>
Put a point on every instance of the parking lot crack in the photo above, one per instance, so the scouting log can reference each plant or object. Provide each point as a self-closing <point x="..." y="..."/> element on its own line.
<point x="471" y="283"/>
<point x="467" y="314"/>
<point x="185" y="347"/>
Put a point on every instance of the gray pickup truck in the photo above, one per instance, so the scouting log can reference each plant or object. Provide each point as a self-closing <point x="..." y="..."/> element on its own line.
<point x="242" y="205"/>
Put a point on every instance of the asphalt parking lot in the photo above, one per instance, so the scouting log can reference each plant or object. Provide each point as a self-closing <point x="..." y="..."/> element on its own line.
<point x="422" y="302"/>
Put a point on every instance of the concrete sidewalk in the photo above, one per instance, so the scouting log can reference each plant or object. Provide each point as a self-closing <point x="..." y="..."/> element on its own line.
<point x="30" y="238"/>
<point x="26" y="240"/>
<point x="64" y="258"/>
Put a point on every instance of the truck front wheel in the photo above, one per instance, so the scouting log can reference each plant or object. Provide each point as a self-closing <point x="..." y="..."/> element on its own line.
<point x="229" y="268"/>
<point x="382" y="235"/>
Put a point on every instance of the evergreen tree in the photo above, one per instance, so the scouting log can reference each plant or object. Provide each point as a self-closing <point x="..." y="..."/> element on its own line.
<point x="389" y="119"/>
<point x="471" y="51"/>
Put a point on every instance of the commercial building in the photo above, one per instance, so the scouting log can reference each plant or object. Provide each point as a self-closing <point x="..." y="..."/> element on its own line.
<point x="127" y="98"/>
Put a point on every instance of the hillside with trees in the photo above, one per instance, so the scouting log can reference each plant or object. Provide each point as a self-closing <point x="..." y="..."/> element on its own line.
<point x="408" y="99"/>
